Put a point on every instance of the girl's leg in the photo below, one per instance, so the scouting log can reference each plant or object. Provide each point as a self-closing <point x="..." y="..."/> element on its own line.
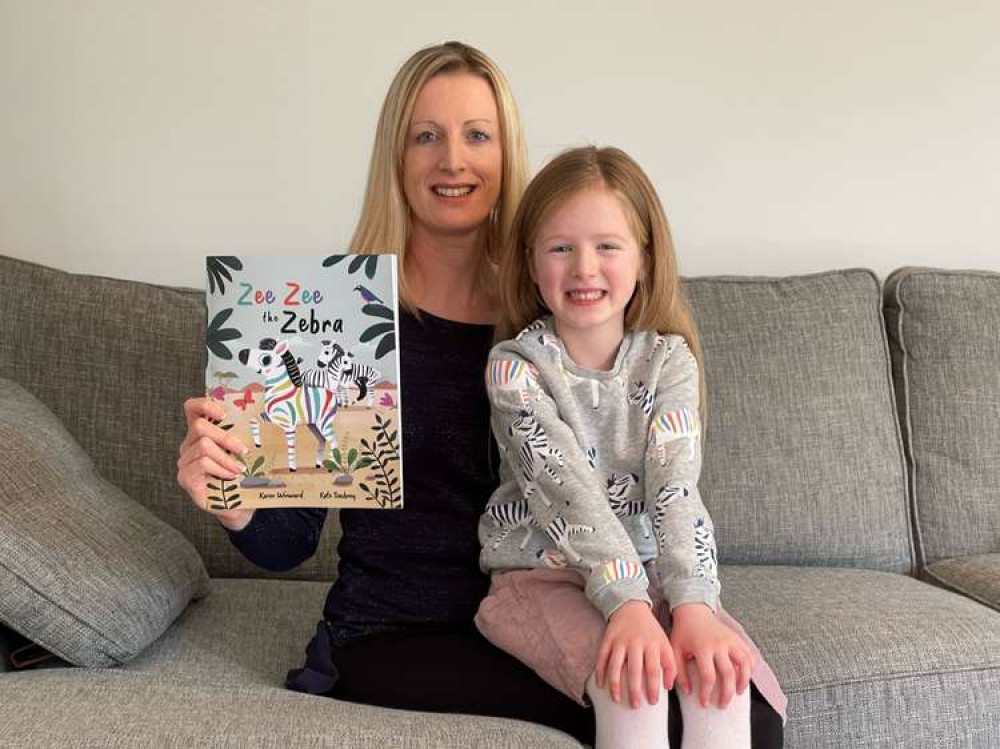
<point x="709" y="727"/>
<point x="619" y="725"/>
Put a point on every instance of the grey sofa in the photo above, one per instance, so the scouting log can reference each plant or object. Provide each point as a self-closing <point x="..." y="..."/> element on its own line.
<point x="852" y="468"/>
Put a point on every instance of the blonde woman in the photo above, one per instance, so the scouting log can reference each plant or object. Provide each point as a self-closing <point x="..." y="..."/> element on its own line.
<point x="447" y="170"/>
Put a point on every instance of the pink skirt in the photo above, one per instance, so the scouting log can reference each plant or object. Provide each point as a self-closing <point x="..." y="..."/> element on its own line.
<point x="543" y="618"/>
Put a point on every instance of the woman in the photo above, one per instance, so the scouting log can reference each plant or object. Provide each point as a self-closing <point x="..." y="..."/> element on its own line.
<point x="447" y="170"/>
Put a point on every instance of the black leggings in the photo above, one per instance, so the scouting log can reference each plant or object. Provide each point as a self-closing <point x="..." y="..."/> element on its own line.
<point x="458" y="671"/>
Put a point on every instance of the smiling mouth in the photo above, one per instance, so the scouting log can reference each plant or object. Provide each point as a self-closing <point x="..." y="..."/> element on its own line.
<point x="453" y="192"/>
<point x="591" y="295"/>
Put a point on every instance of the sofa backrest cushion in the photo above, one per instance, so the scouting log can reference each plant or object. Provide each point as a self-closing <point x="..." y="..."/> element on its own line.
<point x="115" y="360"/>
<point x="803" y="457"/>
<point x="944" y="328"/>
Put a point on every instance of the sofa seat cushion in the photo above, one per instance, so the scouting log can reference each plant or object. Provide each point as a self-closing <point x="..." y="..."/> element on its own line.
<point x="976" y="576"/>
<point x="944" y="327"/>
<point x="85" y="571"/>
<point x="855" y="649"/>
<point x="127" y="710"/>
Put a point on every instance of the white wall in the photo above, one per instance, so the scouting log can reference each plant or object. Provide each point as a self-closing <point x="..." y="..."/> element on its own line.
<point x="784" y="136"/>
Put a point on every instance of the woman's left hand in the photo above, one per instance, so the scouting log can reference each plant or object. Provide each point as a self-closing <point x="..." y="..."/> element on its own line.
<point x="719" y="654"/>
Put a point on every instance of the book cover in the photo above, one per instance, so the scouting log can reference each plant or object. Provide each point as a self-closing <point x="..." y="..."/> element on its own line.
<point x="302" y="354"/>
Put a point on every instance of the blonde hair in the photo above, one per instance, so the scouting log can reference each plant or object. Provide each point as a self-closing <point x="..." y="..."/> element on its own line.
<point x="384" y="225"/>
<point x="658" y="302"/>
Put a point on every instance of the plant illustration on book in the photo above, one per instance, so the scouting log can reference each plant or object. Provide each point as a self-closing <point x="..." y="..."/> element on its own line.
<point x="383" y="453"/>
<point x="227" y="497"/>
<point x="292" y="351"/>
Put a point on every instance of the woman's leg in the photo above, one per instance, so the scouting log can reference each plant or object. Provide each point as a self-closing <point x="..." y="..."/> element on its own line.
<point x="452" y="671"/>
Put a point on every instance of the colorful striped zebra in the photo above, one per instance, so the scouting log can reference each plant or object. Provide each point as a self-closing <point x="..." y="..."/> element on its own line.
<point x="679" y="424"/>
<point x="288" y="402"/>
<point x="510" y="374"/>
<point x="508" y="517"/>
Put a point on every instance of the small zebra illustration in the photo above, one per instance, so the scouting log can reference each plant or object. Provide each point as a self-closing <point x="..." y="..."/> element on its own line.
<point x="288" y="401"/>
<point x="531" y="328"/>
<point x="508" y="517"/>
<point x="364" y="376"/>
<point x="508" y="374"/>
<point x="664" y="498"/>
<point x="679" y="424"/>
<point x="622" y="569"/>
<point x="327" y="371"/>
<point x="619" y="487"/>
<point x="592" y="458"/>
<point x="535" y="452"/>
<point x="640" y="396"/>
<point x="560" y="532"/>
<point x="705" y="552"/>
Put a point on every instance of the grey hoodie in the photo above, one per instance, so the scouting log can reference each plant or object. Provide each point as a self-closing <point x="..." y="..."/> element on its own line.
<point x="600" y="469"/>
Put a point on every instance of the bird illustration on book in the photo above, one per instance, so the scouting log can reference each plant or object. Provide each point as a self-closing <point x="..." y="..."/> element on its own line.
<point x="367" y="295"/>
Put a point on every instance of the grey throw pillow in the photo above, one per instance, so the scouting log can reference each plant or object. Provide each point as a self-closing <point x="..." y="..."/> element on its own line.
<point x="85" y="571"/>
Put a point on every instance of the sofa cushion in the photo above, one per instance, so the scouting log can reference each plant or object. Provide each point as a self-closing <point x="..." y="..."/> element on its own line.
<point x="803" y="457"/>
<point x="944" y="327"/>
<point x="85" y="572"/>
<point x="976" y="576"/>
<point x="871" y="658"/>
<point x="214" y="679"/>
<point x="115" y="361"/>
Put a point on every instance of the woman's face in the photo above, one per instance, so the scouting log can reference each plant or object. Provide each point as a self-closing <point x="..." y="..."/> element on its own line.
<point x="453" y="160"/>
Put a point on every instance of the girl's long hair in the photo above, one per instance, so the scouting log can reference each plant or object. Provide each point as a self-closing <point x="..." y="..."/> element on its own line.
<point x="384" y="224"/>
<point x="658" y="302"/>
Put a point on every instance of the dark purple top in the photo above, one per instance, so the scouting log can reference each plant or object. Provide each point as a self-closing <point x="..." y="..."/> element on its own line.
<point x="419" y="565"/>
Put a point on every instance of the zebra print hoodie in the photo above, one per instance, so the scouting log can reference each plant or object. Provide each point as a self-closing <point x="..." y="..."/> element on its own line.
<point x="600" y="470"/>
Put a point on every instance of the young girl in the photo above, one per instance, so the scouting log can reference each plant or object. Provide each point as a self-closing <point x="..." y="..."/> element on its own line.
<point x="597" y="538"/>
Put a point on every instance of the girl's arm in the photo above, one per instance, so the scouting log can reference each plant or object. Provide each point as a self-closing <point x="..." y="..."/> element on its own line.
<point x="559" y="488"/>
<point x="686" y="553"/>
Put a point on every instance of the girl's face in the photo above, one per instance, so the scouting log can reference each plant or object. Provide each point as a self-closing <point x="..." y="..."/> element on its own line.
<point x="453" y="160"/>
<point x="587" y="262"/>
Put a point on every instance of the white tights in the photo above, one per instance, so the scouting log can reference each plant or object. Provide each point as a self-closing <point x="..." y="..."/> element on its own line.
<point x="621" y="727"/>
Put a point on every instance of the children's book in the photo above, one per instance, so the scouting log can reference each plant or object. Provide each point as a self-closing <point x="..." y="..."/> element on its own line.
<point x="302" y="354"/>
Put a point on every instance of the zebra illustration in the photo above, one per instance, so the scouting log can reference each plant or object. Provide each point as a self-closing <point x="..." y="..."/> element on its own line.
<point x="535" y="452"/>
<point x="679" y="424"/>
<point x="560" y="532"/>
<point x="531" y="328"/>
<point x="553" y="559"/>
<point x="327" y="373"/>
<point x="618" y="489"/>
<point x="640" y="396"/>
<point x="365" y="377"/>
<point x="664" y="498"/>
<point x="592" y="458"/>
<point x="510" y="374"/>
<point x="508" y="517"/>
<point x="705" y="552"/>
<point x="288" y="401"/>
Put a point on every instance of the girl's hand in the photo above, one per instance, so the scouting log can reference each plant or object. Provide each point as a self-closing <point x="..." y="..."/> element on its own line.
<point x="204" y="455"/>
<point x="634" y="638"/>
<point x="718" y="652"/>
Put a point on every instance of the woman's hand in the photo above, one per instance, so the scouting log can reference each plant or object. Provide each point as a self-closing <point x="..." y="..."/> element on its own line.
<point x="204" y="454"/>
<point x="636" y="640"/>
<point x="717" y="651"/>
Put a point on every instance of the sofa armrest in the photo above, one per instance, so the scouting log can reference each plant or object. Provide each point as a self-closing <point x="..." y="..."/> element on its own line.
<point x="976" y="576"/>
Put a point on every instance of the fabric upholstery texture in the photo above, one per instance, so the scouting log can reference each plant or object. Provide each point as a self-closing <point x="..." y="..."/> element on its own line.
<point x="945" y="332"/>
<point x="803" y="456"/>
<point x="85" y="572"/>
<point x="976" y="576"/>
<point x="115" y="360"/>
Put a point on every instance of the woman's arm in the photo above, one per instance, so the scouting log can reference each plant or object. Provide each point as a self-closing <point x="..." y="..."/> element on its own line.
<point x="280" y="539"/>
